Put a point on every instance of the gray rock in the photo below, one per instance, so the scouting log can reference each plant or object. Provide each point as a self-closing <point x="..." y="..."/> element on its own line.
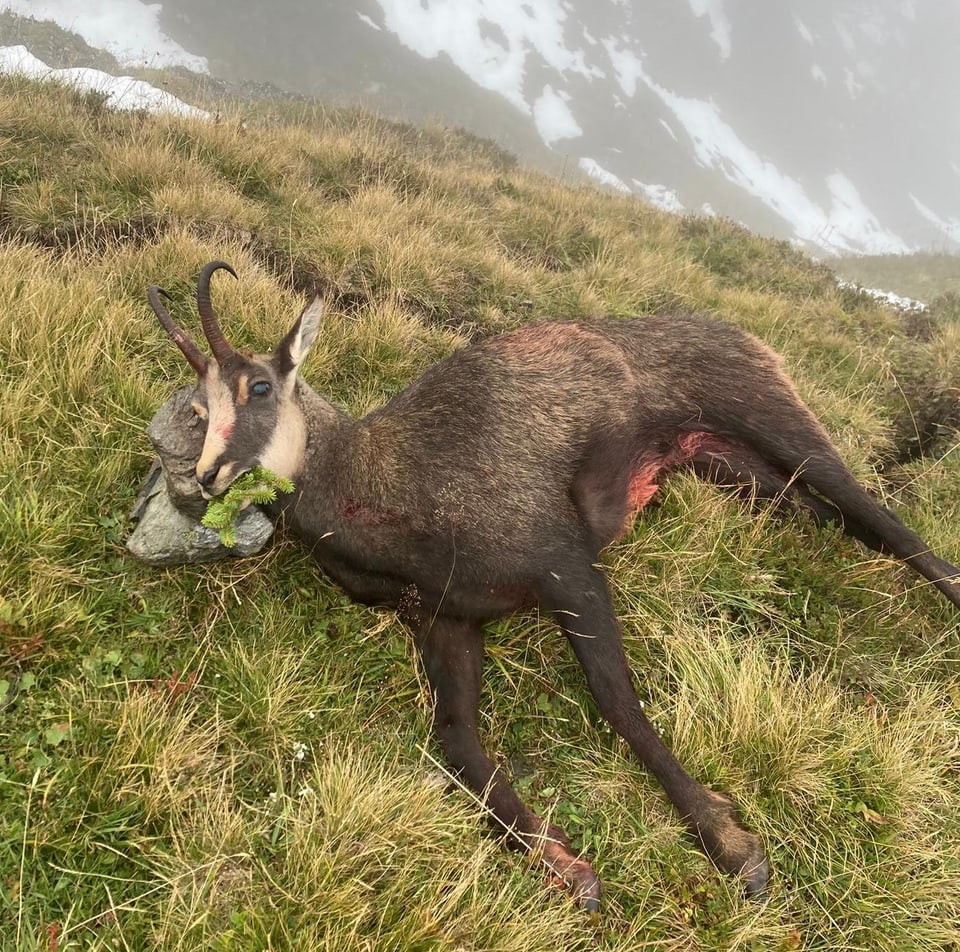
<point x="177" y="434"/>
<point x="147" y="491"/>
<point x="166" y="536"/>
<point x="169" y="506"/>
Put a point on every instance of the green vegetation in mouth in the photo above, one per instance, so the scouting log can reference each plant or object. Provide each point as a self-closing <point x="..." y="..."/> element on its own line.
<point x="259" y="486"/>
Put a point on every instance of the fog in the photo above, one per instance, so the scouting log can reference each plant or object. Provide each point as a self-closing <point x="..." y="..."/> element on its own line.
<point x="829" y="122"/>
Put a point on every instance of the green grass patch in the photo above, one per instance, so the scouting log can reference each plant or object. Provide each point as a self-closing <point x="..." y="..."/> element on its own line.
<point x="234" y="756"/>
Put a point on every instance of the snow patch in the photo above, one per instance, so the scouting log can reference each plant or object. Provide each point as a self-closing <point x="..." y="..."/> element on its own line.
<point x="803" y="30"/>
<point x="597" y="171"/>
<point x="121" y="92"/>
<point x="128" y="30"/>
<point x="666" y="125"/>
<point x="887" y="297"/>
<point x="627" y="66"/>
<point x="553" y="118"/>
<point x="949" y="226"/>
<point x="852" y="220"/>
<point x="363" y="18"/>
<point x="720" y="25"/>
<point x="661" y="196"/>
<point x="494" y="62"/>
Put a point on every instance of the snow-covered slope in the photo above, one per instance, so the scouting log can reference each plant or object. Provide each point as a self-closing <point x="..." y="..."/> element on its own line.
<point x="127" y="29"/>
<point x="804" y="109"/>
<point x="828" y="122"/>
<point x="120" y="92"/>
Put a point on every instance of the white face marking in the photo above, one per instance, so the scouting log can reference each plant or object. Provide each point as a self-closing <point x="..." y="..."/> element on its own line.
<point x="283" y="455"/>
<point x="243" y="390"/>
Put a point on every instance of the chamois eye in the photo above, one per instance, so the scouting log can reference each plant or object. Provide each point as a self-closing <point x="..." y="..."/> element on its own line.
<point x="260" y="389"/>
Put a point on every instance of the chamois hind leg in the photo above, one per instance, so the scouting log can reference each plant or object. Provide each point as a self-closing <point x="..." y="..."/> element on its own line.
<point x="781" y="430"/>
<point x="875" y="520"/>
<point x="452" y="654"/>
<point x="749" y="475"/>
<point x="580" y="602"/>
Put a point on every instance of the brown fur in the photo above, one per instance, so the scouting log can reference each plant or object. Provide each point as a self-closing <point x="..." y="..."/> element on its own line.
<point x="493" y="482"/>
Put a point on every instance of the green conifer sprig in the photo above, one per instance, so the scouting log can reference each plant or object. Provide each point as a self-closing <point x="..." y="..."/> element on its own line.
<point x="259" y="486"/>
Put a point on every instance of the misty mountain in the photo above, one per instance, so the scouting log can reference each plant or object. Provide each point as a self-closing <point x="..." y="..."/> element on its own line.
<point x="827" y="122"/>
<point x="830" y="122"/>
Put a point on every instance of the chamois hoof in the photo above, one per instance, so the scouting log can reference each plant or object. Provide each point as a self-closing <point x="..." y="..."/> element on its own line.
<point x="735" y="850"/>
<point x="756" y="876"/>
<point x="591" y="907"/>
<point x="576" y="874"/>
<point x="585" y="887"/>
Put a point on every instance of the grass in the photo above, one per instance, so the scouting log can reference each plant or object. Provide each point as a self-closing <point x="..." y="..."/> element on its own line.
<point x="236" y="757"/>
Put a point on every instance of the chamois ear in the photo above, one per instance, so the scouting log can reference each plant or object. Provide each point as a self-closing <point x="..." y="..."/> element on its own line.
<point x="293" y="348"/>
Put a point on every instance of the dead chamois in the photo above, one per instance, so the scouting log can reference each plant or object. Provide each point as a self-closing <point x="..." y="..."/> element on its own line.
<point x="492" y="484"/>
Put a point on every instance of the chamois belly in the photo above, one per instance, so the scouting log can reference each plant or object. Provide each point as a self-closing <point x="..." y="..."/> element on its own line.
<point x="416" y="573"/>
<point x="652" y="465"/>
<point x="617" y="480"/>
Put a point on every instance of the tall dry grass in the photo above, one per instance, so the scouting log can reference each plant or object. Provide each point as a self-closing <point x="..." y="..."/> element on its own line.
<point x="236" y="757"/>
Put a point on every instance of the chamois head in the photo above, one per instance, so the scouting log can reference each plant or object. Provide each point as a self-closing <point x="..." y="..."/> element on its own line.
<point x="246" y="399"/>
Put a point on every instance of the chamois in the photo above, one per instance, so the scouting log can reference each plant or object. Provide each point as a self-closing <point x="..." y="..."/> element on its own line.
<point x="493" y="482"/>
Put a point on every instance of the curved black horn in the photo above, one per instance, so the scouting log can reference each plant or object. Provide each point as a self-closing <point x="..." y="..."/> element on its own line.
<point x="222" y="350"/>
<point x="187" y="347"/>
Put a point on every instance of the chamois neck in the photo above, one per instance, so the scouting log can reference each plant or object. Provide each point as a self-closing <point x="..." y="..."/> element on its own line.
<point x="317" y="410"/>
<point x="325" y="426"/>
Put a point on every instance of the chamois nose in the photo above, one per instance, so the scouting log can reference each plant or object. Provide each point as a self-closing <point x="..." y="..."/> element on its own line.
<point x="207" y="479"/>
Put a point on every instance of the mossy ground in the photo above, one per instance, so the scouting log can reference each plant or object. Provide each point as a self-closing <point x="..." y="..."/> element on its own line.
<point x="236" y="757"/>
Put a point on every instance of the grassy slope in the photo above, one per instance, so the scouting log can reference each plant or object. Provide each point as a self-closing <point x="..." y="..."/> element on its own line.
<point x="235" y="757"/>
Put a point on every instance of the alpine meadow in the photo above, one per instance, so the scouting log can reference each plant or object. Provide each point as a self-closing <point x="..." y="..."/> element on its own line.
<point x="235" y="756"/>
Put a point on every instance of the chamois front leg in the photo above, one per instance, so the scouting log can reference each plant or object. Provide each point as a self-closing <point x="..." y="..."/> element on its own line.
<point x="452" y="653"/>
<point x="582" y="606"/>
